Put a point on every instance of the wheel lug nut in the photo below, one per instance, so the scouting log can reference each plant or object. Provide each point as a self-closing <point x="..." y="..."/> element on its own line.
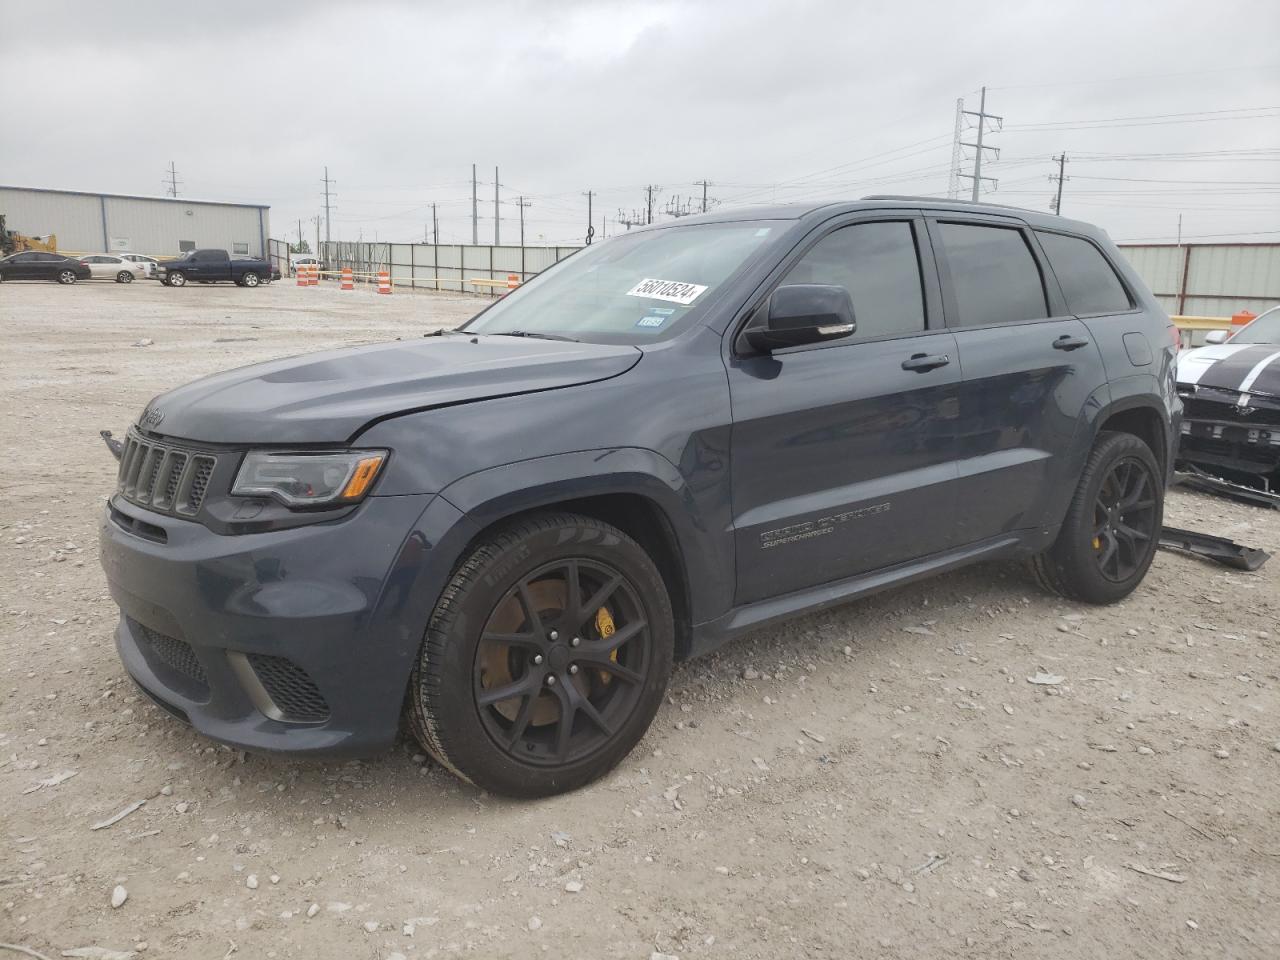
<point x="575" y="641"/>
<point x="573" y="668"/>
<point x="537" y="658"/>
<point x="551" y="679"/>
<point x="554" y="635"/>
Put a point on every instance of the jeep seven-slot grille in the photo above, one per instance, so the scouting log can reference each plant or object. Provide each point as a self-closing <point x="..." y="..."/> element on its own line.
<point x="164" y="478"/>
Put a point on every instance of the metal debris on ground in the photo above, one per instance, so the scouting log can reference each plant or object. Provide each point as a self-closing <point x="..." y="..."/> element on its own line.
<point x="1219" y="549"/>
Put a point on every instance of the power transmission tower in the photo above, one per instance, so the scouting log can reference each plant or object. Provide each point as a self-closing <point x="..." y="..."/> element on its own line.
<point x="1056" y="203"/>
<point x="978" y="147"/>
<point x="326" y="181"/>
<point x="953" y="185"/>
<point x="497" y="217"/>
<point x="475" y="221"/>
<point x="522" y="203"/>
<point x="703" y="184"/>
<point x="629" y="220"/>
<point x="172" y="180"/>
<point x="591" y="230"/>
<point x="649" y="190"/>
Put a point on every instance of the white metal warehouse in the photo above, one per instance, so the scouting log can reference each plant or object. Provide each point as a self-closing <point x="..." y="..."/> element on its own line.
<point x="117" y="223"/>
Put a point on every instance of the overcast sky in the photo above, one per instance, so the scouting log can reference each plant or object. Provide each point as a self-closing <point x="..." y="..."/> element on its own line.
<point x="803" y="99"/>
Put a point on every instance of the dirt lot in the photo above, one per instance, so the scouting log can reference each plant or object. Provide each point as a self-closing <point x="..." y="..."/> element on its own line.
<point x="879" y="781"/>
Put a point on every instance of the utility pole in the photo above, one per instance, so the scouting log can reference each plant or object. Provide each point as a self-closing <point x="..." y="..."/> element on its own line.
<point x="1057" y="201"/>
<point x="497" y="217"/>
<point x="522" y="203"/>
<point x="983" y="117"/>
<point x="703" y="184"/>
<point x="591" y="230"/>
<point x="435" y="226"/>
<point x="172" y="180"/>
<point x="326" y="183"/>
<point x="475" y="222"/>
<point x="649" y="205"/>
<point x="316" y="221"/>
<point x="299" y="236"/>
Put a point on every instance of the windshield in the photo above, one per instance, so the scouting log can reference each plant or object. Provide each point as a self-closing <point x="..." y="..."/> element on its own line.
<point x="1264" y="329"/>
<point x="629" y="289"/>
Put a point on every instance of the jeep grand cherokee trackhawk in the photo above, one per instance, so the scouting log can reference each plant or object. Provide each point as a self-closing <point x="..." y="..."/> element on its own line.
<point x="508" y="532"/>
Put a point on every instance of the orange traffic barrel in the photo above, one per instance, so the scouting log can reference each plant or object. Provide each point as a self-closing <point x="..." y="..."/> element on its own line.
<point x="384" y="281"/>
<point x="348" y="282"/>
<point x="513" y="281"/>
<point x="314" y="277"/>
<point x="300" y="271"/>
<point x="1241" y="318"/>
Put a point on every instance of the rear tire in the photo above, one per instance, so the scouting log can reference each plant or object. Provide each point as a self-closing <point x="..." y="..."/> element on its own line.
<point x="250" y="279"/>
<point x="1109" y="537"/>
<point x="599" y="653"/>
<point x="67" y="276"/>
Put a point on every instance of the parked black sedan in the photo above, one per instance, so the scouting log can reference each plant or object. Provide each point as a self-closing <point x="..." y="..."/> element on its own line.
<point x="31" y="265"/>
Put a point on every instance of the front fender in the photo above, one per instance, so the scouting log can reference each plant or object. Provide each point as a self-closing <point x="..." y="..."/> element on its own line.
<point x="490" y="496"/>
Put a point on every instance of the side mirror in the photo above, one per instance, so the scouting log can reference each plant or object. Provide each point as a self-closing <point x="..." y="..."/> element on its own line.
<point x="802" y="313"/>
<point x="1216" y="336"/>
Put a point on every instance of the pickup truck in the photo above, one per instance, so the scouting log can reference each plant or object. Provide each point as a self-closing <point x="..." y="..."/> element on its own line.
<point x="210" y="266"/>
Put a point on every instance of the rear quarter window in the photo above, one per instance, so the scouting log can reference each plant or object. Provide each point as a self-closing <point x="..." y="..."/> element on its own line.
<point x="1089" y="283"/>
<point x="994" y="277"/>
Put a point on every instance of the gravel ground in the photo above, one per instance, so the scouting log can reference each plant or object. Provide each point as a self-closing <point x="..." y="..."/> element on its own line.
<point x="878" y="781"/>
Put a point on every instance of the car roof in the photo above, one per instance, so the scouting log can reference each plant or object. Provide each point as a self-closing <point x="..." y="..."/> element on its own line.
<point x="803" y="211"/>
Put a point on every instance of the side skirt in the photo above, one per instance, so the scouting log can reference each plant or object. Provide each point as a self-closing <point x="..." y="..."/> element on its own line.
<point x="710" y="634"/>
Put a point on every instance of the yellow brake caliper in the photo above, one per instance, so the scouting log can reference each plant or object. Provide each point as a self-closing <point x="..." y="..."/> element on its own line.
<point x="605" y="628"/>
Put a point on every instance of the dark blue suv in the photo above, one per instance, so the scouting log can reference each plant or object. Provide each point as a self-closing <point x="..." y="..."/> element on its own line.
<point x="508" y="532"/>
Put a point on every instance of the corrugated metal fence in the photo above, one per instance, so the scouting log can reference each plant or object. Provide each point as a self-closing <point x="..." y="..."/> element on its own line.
<point x="1197" y="279"/>
<point x="1209" y="279"/>
<point x="443" y="266"/>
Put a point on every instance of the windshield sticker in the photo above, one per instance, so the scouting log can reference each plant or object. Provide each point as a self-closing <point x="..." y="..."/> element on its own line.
<point x="670" y="290"/>
<point x="655" y="318"/>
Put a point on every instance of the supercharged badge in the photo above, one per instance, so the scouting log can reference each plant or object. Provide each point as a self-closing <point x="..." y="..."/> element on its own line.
<point x="817" y="528"/>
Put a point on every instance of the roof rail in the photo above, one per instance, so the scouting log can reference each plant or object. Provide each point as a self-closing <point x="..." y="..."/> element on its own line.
<point x="968" y="203"/>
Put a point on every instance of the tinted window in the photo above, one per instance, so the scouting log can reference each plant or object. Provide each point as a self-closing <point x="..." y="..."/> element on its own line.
<point x="993" y="274"/>
<point x="49" y="257"/>
<point x="1087" y="280"/>
<point x="26" y="258"/>
<point x="877" y="264"/>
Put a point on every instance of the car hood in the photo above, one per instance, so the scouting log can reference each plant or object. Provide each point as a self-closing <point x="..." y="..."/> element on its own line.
<point x="1243" y="367"/>
<point x="330" y="397"/>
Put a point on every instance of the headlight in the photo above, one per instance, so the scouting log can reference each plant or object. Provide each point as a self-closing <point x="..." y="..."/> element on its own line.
<point x="309" y="479"/>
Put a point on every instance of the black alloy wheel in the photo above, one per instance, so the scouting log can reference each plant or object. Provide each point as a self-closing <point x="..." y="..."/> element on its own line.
<point x="1124" y="519"/>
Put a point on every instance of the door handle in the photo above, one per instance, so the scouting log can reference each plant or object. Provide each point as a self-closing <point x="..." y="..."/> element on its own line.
<point x="1068" y="342"/>
<point x="922" y="362"/>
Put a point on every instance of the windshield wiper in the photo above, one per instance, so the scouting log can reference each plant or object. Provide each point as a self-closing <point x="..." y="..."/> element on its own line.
<point x="538" y="336"/>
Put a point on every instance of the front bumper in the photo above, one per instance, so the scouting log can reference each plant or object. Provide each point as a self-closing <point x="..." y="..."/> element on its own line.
<point x="297" y="640"/>
<point x="1242" y="438"/>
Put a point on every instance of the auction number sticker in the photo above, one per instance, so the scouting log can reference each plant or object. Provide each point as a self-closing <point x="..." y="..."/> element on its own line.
<point x="670" y="290"/>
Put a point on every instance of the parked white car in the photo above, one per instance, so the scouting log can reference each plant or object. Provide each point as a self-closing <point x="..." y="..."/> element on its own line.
<point x="149" y="262"/>
<point x="108" y="266"/>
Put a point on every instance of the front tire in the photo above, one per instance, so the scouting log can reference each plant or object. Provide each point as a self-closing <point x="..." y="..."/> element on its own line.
<point x="124" y="276"/>
<point x="176" y="279"/>
<point x="1109" y="536"/>
<point x="67" y="276"/>
<point x="546" y="657"/>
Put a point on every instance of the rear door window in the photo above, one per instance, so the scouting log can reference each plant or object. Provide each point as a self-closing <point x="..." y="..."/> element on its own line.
<point x="1088" y="281"/>
<point x="877" y="263"/>
<point x="994" y="276"/>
